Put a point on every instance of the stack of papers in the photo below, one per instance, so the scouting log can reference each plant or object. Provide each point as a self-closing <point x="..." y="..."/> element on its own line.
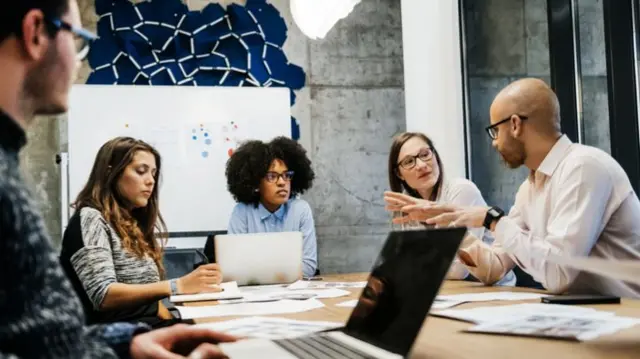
<point x="541" y="320"/>
<point x="269" y="328"/>
<point x="300" y="296"/>
<point x="229" y="291"/>
<point x="559" y="326"/>
<point x="242" y="309"/>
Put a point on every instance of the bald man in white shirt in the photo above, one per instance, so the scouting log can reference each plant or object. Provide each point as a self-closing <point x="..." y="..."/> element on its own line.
<point x="577" y="201"/>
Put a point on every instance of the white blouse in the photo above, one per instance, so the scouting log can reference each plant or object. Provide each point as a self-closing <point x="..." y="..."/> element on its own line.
<point x="462" y="192"/>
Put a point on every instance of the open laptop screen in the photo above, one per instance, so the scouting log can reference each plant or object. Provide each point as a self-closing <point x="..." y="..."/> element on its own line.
<point x="404" y="281"/>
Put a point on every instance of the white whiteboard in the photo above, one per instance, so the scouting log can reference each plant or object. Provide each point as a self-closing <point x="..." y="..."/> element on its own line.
<point x="192" y="127"/>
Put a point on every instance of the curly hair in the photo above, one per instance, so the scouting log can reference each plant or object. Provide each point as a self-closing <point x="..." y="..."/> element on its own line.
<point x="251" y="161"/>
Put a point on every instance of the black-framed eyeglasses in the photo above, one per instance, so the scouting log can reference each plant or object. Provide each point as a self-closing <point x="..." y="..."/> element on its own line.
<point x="273" y="177"/>
<point x="492" y="130"/>
<point x="425" y="155"/>
<point x="82" y="37"/>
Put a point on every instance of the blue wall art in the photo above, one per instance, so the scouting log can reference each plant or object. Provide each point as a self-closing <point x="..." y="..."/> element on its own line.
<point x="161" y="42"/>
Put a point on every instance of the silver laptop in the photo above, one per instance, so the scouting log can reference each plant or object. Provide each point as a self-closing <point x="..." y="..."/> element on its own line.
<point x="402" y="286"/>
<point x="260" y="258"/>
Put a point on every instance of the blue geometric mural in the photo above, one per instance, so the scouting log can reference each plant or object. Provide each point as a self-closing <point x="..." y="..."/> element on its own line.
<point x="161" y="42"/>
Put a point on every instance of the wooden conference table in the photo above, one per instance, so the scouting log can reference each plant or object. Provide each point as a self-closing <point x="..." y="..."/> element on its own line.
<point x="442" y="338"/>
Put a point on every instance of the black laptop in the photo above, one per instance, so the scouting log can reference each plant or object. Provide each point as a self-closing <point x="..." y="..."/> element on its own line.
<point x="400" y="290"/>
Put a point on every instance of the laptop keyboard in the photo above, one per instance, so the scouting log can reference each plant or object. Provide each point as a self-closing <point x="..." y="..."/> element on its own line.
<point x="320" y="346"/>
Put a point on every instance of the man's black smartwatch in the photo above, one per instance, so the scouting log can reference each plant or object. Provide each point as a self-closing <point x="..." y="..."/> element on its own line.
<point x="493" y="215"/>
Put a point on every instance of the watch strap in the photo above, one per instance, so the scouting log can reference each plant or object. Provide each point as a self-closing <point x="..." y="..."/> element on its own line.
<point x="493" y="214"/>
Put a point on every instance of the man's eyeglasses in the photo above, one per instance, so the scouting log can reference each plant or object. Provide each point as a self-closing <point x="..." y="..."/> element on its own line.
<point x="83" y="38"/>
<point x="409" y="162"/>
<point x="492" y="130"/>
<point x="273" y="177"/>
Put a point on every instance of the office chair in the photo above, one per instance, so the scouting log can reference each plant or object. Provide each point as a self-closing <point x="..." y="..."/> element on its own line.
<point x="208" y="254"/>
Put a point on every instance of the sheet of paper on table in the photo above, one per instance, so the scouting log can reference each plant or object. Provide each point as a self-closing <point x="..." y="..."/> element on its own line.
<point x="348" y="303"/>
<point x="490" y="296"/>
<point x="319" y="293"/>
<point x="438" y="304"/>
<point x="263" y="288"/>
<point x="243" y="309"/>
<point x="444" y="304"/>
<point x="306" y="284"/>
<point x="230" y="290"/>
<point x="315" y="293"/>
<point x="505" y="312"/>
<point x="270" y="328"/>
<point x="270" y="296"/>
<point x="567" y="326"/>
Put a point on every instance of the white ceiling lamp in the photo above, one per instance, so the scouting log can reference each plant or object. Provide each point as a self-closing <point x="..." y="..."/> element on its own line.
<point x="316" y="17"/>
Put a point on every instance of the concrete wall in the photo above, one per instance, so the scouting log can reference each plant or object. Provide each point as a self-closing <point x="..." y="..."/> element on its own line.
<point x="41" y="171"/>
<point x="507" y="40"/>
<point x="595" y="104"/>
<point x="357" y="105"/>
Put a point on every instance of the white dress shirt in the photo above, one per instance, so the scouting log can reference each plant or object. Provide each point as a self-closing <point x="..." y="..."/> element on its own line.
<point x="462" y="192"/>
<point x="579" y="202"/>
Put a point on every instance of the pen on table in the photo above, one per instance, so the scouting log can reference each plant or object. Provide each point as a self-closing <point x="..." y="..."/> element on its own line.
<point x="312" y="278"/>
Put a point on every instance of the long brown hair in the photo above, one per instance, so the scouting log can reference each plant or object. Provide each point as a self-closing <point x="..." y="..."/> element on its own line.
<point x="136" y="228"/>
<point x="399" y="185"/>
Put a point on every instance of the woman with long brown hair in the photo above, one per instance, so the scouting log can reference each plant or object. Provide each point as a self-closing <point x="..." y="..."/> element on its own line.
<point x="111" y="250"/>
<point x="415" y="169"/>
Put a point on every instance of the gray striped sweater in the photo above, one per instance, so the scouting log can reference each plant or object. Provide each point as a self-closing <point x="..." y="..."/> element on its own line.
<point x="93" y="257"/>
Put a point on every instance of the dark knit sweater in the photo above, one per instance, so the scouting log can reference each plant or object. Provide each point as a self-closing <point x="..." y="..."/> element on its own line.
<point x="40" y="314"/>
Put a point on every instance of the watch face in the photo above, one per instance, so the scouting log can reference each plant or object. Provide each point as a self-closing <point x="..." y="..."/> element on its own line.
<point x="493" y="212"/>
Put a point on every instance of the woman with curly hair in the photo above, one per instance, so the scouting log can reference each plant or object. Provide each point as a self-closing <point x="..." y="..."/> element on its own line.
<point x="265" y="179"/>
<point x="110" y="249"/>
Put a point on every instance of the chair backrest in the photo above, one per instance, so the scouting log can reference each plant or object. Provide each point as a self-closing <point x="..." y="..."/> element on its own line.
<point x="209" y="247"/>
